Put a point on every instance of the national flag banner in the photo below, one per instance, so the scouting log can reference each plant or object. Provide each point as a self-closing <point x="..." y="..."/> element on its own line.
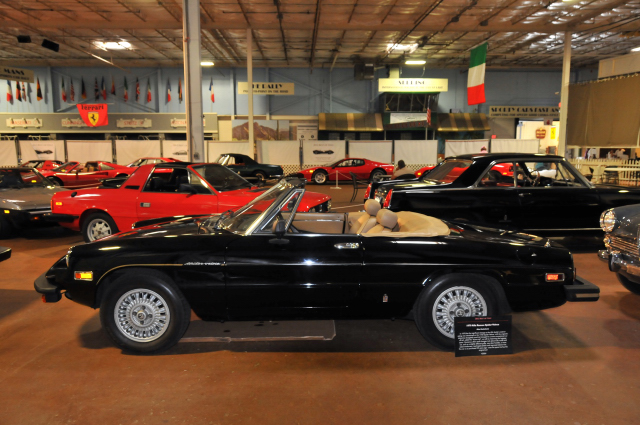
<point x="148" y="91"/>
<point x="63" y="91"/>
<point x="38" y="90"/>
<point x="475" y="81"/>
<point x="9" y="92"/>
<point x="180" y="89"/>
<point x="429" y="116"/>
<point x="168" y="91"/>
<point x="83" y="93"/>
<point x="137" y="89"/>
<point x="104" y="90"/>
<point x="24" y="92"/>
<point x="94" y="115"/>
<point x="18" y="95"/>
<point x="113" y="86"/>
<point x="126" y="90"/>
<point x="72" y="92"/>
<point x="96" y="89"/>
<point x="213" y="97"/>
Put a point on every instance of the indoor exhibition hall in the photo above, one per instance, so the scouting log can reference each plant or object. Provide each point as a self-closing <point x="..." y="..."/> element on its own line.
<point x="319" y="212"/>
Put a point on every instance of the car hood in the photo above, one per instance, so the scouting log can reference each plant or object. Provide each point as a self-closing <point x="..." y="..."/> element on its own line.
<point x="627" y="221"/>
<point x="28" y="198"/>
<point x="162" y="227"/>
<point x="490" y="234"/>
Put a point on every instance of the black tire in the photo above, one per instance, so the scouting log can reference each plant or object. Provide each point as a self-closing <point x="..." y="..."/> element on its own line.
<point x="97" y="226"/>
<point x="477" y="296"/>
<point x="376" y="175"/>
<point x="6" y="228"/>
<point x="320" y="177"/>
<point x="56" y="181"/>
<point x="148" y="295"/>
<point x="261" y="175"/>
<point x="627" y="283"/>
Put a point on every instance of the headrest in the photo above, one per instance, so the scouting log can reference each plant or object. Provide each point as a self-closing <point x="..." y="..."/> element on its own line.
<point x="387" y="218"/>
<point x="371" y="206"/>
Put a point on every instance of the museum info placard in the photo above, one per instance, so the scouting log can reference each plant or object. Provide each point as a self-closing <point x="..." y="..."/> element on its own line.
<point x="482" y="336"/>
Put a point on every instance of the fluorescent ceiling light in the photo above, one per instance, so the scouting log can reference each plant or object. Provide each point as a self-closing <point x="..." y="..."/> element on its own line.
<point x="206" y="63"/>
<point x="408" y="62"/>
<point x="113" y="45"/>
<point x="408" y="48"/>
<point x="637" y="49"/>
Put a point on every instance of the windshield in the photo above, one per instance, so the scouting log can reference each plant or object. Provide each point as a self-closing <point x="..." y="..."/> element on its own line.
<point x="17" y="179"/>
<point x="242" y="219"/>
<point x="447" y="171"/>
<point x="67" y="166"/>
<point x="221" y="178"/>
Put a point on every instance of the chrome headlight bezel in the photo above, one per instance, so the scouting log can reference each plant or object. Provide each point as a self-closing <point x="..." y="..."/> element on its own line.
<point x="608" y="220"/>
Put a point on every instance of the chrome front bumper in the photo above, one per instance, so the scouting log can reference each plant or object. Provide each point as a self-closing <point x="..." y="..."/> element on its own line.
<point x="619" y="262"/>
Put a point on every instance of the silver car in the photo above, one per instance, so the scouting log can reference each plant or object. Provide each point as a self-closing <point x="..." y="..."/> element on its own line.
<point x="25" y="195"/>
<point x="622" y="239"/>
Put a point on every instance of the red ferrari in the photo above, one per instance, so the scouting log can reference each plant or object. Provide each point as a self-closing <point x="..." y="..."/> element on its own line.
<point x="364" y="169"/>
<point x="41" y="164"/>
<point x="75" y="175"/>
<point x="161" y="190"/>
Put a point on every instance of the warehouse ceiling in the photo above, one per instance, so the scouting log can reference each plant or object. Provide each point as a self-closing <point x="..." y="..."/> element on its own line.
<point x="319" y="33"/>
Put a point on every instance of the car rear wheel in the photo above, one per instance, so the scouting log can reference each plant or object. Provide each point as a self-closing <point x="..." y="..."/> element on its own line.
<point x="144" y="312"/>
<point x="56" y="181"/>
<point x="320" y="177"/>
<point x="260" y="175"/>
<point x="440" y="303"/>
<point x="97" y="226"/>
<point x="376" y="175"/>
<point x="627" y="283"/>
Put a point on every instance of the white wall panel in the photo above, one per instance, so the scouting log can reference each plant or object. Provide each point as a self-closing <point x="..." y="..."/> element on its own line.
<point x="515" y="145"/>
<point x="128" y="151"/>
<point x="417" y="151"/>
<point x="89" y="150"/>
<point x="27" y="153"/>
<point x="320" y="152"/>
<point x="279" y="152"/>
<point x="8" y="154"/>
<point x="374" y="150"/>
<point x="178" y="149"/>
<point x="215" y="148"/>
<point x="462" y="147"/>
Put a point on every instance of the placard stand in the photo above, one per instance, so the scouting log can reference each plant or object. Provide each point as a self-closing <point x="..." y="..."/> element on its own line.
<point x="337" y="178"/>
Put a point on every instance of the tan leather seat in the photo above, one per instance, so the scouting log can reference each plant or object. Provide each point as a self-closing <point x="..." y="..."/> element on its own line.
<point x="387" y="221"/>
<point x="367" y="220"/>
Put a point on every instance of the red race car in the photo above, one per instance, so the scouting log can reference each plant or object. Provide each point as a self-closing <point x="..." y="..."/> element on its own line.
<point x="75" y="175"/>
<point x="144" y="161"/>
<point x="364" y="169"/>
<point x="161" y="190"/>
<point x="41" y="164"/>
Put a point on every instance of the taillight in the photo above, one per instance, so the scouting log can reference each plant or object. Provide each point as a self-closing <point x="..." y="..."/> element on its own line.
<point x="368" y="192"/>
<point x="387" y="199"/>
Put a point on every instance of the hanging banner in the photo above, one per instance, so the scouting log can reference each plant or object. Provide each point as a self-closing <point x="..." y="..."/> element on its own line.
<point x="281" y="89"/>
<point x="94" y="115"/>
<point x="44" y="149"/>
<point x="24" y="122"/>
<point x="134" y="123"/>
<point x="179" y="150"/>
<point x="16" y="74"/>
<point x="524" y="112"/>
<point x="316" y="152"/>
<point x="413" y="85"/>
<point x="72" y="122"/>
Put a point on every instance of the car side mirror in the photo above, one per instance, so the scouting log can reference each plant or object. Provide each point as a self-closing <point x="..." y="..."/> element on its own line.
<point x="188" y="188"/>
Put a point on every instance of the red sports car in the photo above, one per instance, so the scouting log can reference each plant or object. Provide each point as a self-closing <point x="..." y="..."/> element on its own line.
<point x="364" y="169"/>
<point x="161" y="190"/>
<point x="75" y="175"/>
<point x="144" y="161"/>
<point x="498" y="168"/>
<point x="41" y="164"/>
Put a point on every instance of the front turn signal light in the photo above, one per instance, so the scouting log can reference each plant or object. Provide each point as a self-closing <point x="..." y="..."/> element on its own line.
<point x="84" y="275"/>
<point x="554" y="277"/>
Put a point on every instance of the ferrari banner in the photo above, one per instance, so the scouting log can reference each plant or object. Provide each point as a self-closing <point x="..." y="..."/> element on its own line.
<point x="94" y="115"/>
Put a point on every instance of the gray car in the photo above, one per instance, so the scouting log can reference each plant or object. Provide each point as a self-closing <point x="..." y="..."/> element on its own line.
<point x="622" y="238"/>
<point x="25" y="195"/>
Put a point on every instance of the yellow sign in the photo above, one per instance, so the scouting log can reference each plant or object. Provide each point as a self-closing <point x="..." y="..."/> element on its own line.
<point x="553" y="134"/>
<point x="94" y="117"/>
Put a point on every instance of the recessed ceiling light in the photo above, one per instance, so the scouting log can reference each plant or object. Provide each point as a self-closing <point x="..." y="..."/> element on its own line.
<point x="408" y="62"/>
<point x="206" y="63"/>
<point x="113" y="45"/>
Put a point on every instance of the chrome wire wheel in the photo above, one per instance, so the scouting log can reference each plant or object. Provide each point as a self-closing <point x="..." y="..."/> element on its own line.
<point x="458" y="301"/>
<point x="98" y="228"/>
<point x="142" y="315"/>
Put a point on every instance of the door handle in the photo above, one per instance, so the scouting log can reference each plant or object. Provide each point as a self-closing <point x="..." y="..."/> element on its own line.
<point x="145" y="204"/>
<point x="348" y="245"/>
<point x="522" y="195"/>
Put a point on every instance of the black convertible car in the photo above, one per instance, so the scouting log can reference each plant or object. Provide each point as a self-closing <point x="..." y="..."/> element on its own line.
<point x="248" y="167"/>
<point x="541" y="194"/>
<point x="267" y="261"/>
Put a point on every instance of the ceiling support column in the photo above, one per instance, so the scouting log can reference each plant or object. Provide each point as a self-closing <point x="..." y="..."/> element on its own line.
<point x="193" y="78"/>
<point x="564" y="94"/>
<point x="250" y="94"/>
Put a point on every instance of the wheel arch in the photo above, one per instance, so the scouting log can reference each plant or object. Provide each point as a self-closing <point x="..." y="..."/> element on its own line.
<point x="86" y="213"/>
<point x="156" y="270"/>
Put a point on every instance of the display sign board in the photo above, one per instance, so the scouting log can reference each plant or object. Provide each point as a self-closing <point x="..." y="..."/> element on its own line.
<point x="281" y="89"/>
<point x="413" y="85"/>
<point x="541" y="133"/>
<point x="323" y="151"/>
<point x="306" y="132"/>
<point x="553" y="133"/>
<point x="524" y="112"/>
<point x="24" y="122"/>
<point x="395" y="118"/>
<point x="134" y="123"/>
<point x="179" y="150"/>
<point x="482" y="335"/>
<point x="72" y="122"/>
<point x="16" y="74"/>
<point x="44" y="149"/>
<point x="182" y="122"/>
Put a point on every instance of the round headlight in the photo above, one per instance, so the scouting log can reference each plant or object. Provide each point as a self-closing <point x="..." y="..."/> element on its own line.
<point x="608" y="220"/>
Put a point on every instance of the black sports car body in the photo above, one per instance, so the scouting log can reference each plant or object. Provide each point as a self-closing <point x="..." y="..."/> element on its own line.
<point x="540" y="194"/>
<point x="248" y="167"/>
<point x="268" y="261"/>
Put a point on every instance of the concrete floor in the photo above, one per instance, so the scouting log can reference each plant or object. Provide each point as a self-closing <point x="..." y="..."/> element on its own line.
<point x="576" y="364"/>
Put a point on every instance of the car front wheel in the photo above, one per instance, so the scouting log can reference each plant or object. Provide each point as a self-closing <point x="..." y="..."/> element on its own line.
<point x="97" y="226"/>
<point x="144" y="312"/>
<point x="320" y="177"/>
<point x="440" y="304"/>
<point x="627" y="283"/>
<point x="376" y="175"/>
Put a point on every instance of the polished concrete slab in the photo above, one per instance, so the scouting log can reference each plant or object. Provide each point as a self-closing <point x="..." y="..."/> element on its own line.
<point x="576" y="364"/>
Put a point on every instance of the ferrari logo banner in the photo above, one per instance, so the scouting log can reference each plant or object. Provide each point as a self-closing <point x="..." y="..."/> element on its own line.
<point x="94" y="115"/>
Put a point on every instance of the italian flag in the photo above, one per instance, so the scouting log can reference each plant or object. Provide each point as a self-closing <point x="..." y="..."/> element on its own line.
<point x="475" y="83"/>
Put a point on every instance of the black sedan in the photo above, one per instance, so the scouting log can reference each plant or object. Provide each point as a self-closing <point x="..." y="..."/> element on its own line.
<point x="267" y="261"/>
<point x="541" y="194"/>
<point x="248" y="167"/>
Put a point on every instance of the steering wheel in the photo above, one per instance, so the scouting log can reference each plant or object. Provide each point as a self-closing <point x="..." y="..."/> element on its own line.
<point x="536" y="180"/>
